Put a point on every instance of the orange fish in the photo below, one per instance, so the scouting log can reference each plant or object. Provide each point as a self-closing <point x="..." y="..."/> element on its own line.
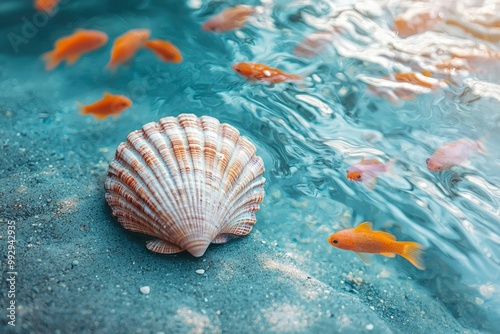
<point x="367" y="170"/>
<point x="416" y="21"/>
<point x="47" y="6"/>
<point x="454" y="153"/>
<point x="109" y="105"/>
<point x="423" y="79"/>
<point x="261" y="72"/>
<point x="229" y="19"/>
<point x="126" y="46"/>
<point x="72" y="47"/>
<point x="363" y="239"/>
<point x="165" y="50"/>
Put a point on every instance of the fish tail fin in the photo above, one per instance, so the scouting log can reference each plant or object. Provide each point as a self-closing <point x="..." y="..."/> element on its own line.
<point x="389" y="165"/>
<point x="413" y="251"/>
<point x="81" y="108"/>
<point x="111" y="66"/>
<point x="51" y="60"/>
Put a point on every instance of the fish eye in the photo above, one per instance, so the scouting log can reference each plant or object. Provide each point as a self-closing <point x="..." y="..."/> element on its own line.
<point x="335" y="241"/>
<point x="358" y="177"/>
<point x="427" y="160"/>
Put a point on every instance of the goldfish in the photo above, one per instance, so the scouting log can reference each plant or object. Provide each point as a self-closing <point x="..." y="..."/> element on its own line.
<point x="417" y="20"/>
<point x="72" y="47"/>
<point x="229" y="19"/>
<point x="126" y="46"/>
<point x="423" y="79"/>
<point x="165" y="50"/>
<point x="47" y="6"/>
<point x="261" y="72"/>
<point x="454" y="153"/>
<point x="109" y="105"/>
<point x="367" y="170"/>
<point x="363" y="239"/>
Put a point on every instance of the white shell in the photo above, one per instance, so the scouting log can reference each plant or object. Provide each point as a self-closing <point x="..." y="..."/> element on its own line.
<point x="187" y="181"/>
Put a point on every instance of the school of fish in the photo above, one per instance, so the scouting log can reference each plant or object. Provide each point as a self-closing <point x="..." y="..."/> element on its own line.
<point x="362" y="239"/>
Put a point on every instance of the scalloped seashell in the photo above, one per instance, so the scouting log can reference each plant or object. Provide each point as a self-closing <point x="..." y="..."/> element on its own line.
<point x="186" y="181"/>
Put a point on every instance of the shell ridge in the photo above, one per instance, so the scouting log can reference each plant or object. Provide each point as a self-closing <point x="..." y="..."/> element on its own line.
<point x="146" y="151"/>
<point x="147" y="176"/>
<point x="163" y="247"/>
<point x="228" y="141"/>
<point x="169" y="124"/>
<point x="156" y="141"/>
<point x="216" y="171"/>
<point x="241" y="162"/>
<point x="188" y="133"/>
<point x="136" y="219"/>
<point x="211" y="145"/>
<point x="247" y="202"/>
<point x="196" y="143"/>
<point x="250" y="178"/>
<point x="181" y="150"/>
<point x="131" y="180"/>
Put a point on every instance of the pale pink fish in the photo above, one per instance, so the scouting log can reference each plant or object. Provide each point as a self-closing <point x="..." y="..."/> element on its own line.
<point x="367" y="170"/>
<point x="229" y="19"/>
<point x="314" y="44"/>
<point x="454" y="153"/>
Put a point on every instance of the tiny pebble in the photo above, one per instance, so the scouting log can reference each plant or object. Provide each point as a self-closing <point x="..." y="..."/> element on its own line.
<point x="369" y="327"/>
<point x="200" y="271"/>
<point x="75" y="262"/>
<point x="145" y="290"/>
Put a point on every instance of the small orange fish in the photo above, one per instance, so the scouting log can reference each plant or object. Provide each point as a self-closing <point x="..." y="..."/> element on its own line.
<point x="72" y="47"/>
<point x="109" y="105"/>
<point x="417" y="21"/>
<point x="261" y="72"/>
<point x="165" y="50"/>
<point x="363" y="239"/>
<point x="418" y="79"/>
<point x="126" y="46"/>
<point x="367" y="170"/>
<point x="454" y="153"/>
<point x="229" y="19"/>
<point x="47" y="6"/>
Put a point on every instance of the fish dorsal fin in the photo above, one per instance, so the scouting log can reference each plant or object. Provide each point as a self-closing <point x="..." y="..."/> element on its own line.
<point x="369" y="161"/>
<point x="366" y="226"/>
<point x="385" y="235"/>
<point x="366" y="258"/>
<point x="107" y="94"/>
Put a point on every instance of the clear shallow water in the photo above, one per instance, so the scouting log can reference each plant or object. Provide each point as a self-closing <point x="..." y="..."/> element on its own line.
<point x="310" y="132"/>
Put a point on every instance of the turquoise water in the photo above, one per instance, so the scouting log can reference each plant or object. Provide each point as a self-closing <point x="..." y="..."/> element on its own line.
<point x="308" y="132"/>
